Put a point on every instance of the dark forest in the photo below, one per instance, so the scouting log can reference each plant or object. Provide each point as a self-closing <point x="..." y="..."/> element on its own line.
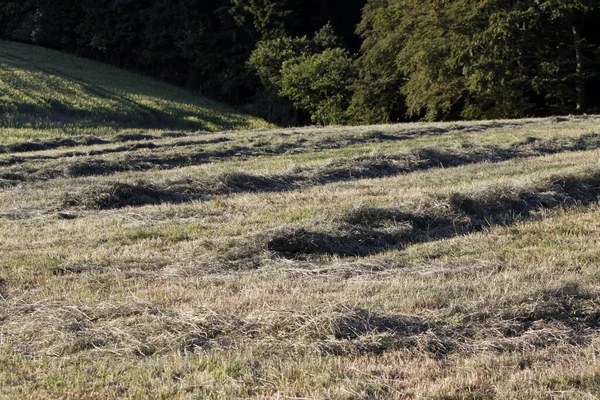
<point x="296" y="62"/>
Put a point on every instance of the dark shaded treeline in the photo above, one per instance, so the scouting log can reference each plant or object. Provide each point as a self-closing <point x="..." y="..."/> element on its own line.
<point x="341" y="61"/>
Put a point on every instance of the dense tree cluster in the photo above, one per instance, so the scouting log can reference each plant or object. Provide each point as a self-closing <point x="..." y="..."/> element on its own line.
<point x="334" y="61"/>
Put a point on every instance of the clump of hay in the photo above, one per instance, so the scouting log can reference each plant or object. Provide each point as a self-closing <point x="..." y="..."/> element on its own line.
<point x="119" y="195"/>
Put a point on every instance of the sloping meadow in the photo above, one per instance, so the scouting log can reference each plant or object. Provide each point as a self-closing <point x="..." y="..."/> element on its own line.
<point x="49" y="92"/>
<point x="401" y="261"/>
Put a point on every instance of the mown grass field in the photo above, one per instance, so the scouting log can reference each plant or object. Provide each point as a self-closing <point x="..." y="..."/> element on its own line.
<point x="450" y="260"/>
<point x="48" y="93"/>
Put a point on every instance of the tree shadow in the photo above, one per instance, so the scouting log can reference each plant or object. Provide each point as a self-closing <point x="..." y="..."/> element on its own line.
<point x="117" y="107"/>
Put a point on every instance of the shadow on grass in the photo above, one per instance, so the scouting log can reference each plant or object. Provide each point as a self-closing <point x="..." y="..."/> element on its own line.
<point x="374" y="136"/>
<point x="367" y="231"/>
<point x="301" y="177"/>
<point x="77" y="141"/>
<point x="109" y="103"/>
<point x="563" y="314"/>
<point x="538" y="318"/>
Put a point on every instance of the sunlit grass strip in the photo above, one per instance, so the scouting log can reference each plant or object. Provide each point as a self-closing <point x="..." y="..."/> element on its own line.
<point x="45" y="92"/>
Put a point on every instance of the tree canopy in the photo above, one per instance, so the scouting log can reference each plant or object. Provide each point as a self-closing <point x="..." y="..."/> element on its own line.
<point x="483" y="58"/>
<point x="333" y="61"/>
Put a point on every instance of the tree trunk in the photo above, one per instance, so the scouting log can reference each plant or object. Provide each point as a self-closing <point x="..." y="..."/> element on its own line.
<point x="579" y="71"/>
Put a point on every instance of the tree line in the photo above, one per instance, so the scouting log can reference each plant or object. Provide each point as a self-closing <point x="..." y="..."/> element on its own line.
<point x="341" y="61"/>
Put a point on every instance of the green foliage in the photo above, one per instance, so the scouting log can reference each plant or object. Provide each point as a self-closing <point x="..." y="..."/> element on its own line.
<point x="448" y="55"/>
<point x="473" y="59"/>
<point x="377" y="95"/>
<point x="320" y="84"/>
<point x="566" y="9"/>
<point x="267" y="16"/>
<point x="266" y="61"/>
<point x="315" y="74"/>
<point x="326" y="38"/>
<point x="418" y="59"/>
<point x="269" y="56"/>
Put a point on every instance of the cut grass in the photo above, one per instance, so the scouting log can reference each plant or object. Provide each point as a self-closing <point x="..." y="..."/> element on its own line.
<point x="117" y="194"/>
<point x="420" y="261"/>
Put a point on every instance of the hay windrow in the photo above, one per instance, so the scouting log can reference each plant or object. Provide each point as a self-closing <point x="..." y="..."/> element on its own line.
<point x="53" y="143"/>
<point x="369" y="230"/>
<point x="235" y="281"/>
<point x="303" y="242"/>
<point x="373" y="166"/>
<point x="129" y="329"/>
<point x="88" y="164"/>
<point x="540" y="318"/>
<point x="116" y="195"/>
<point x="119" y="195"/>
<point x="362" y="231"/>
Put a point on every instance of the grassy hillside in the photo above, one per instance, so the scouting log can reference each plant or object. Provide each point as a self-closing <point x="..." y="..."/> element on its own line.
<point x="444" y="261"/>
<point x="47" y="92"/>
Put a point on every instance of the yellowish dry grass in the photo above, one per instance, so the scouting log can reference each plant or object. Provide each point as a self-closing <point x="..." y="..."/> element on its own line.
<point x="481" y="279"/>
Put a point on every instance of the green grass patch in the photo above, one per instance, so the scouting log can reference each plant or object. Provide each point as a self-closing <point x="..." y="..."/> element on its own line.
<point x="47" y="93"/>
